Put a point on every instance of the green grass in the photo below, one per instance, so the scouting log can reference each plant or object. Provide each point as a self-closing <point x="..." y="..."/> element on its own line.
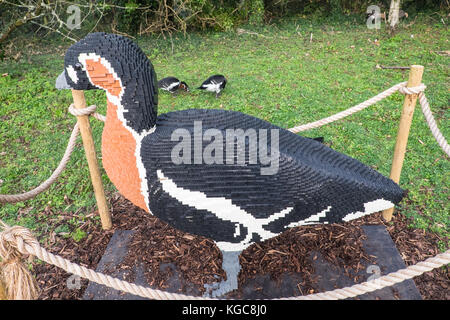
<point x="281" y="77"/>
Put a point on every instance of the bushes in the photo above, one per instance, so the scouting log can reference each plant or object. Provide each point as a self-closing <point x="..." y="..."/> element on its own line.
<point x="149" y="16"/>
<point x="334" y="7"/>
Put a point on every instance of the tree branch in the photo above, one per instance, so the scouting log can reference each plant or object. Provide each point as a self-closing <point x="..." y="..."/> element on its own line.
<point x="33" y="13"/>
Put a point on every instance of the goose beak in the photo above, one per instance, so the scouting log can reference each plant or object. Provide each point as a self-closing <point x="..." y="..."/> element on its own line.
<point x="61" y="82"/>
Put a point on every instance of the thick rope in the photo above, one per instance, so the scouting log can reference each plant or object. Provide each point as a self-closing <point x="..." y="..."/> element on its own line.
<point x="401" y="87"/>
<point x="432" y="124"/>
<point x="19" y="240"/>
<point x="15" y="240"/>
<point x="349" y="111"/>
<point x="412" y="90"/>
<point x="62" y="164"/>
<point x="44" y="186"/>
<point x="428" y="115"/>
<point x="86" y="112"/>
<point x="14" y="274"/>
<point x="383" y="281"/>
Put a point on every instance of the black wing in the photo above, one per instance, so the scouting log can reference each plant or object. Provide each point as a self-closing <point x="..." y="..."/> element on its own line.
<point x="217" y="78"/>
<point x="165" y="82"/>
<point x="310" y="178"/>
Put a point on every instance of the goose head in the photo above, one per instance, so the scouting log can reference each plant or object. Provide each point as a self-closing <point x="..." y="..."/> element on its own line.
<point x="184" y="86"/>
<point x="118" y="66"/>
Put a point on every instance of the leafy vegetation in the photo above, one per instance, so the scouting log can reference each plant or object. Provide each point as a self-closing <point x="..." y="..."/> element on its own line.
<point x="276" y="72"/>
<point x="139" y="17"/>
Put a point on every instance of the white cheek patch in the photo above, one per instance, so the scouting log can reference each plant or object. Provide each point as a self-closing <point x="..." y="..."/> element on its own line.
<point x="72" y="74"/>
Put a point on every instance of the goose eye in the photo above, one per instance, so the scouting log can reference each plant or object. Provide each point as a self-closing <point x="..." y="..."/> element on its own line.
<point x="78" y="66"/>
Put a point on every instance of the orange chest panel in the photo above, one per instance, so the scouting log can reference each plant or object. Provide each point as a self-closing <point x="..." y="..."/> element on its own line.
<point x="119" y="158"/>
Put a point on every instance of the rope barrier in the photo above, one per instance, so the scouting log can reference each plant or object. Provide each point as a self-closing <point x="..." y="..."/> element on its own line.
<point x="382" y="282"/>
<point x="5" y="198"/>
<point x="17" y="241"/>
<point x="44" y="186"/>
<point x="349" y="111"/>
<point x="432" y="124"/>
<point x="19" y="283"/>
<point x="91" y="110"/>
<point x="86" y="112"/>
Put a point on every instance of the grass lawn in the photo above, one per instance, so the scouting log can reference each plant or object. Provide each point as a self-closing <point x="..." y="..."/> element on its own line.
<point x="279" y="75"/>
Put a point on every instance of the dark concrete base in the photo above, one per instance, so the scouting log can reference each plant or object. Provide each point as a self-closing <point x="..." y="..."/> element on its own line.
<point x="329" y="277"/>
<point x="113" y="256"/>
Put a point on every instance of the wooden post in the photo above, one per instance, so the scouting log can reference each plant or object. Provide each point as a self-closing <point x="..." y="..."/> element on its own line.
<point x="415" y="79"/>
<point x="89" y="148"/>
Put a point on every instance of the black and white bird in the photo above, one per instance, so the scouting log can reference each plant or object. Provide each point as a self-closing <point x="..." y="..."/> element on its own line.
<point x="215" y="83"/>
<point x="221" y="174"/>
<point x="172" y="85"/>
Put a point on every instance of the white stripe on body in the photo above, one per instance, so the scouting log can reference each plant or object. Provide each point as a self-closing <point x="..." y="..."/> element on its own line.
<point x="225" y="210"/>
<point x="213" y="86"/>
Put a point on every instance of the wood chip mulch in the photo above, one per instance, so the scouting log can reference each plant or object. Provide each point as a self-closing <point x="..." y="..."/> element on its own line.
<point x="199" y="259"/>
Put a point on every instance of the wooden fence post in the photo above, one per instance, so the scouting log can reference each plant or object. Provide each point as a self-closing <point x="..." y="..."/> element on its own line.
<point x="415" y="79"/>
<point x="89" y="148"/>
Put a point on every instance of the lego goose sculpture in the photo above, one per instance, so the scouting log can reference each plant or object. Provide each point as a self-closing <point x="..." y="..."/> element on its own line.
<point x="225" y="175"/>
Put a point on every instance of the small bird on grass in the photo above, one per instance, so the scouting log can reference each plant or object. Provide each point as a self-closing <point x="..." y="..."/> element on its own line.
<point x="172" y="85"/>
<point x="215" y="83"/>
